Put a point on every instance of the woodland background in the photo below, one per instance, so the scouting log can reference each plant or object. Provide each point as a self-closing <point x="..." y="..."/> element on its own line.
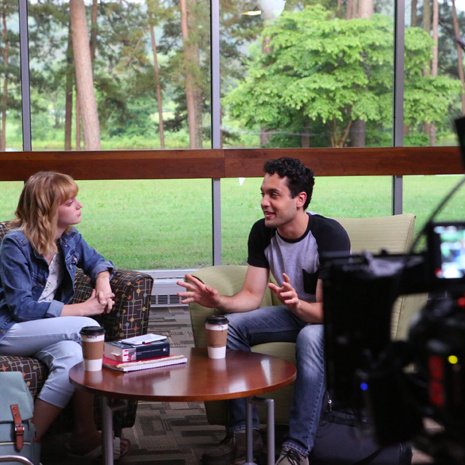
<point x="136" y="74"/>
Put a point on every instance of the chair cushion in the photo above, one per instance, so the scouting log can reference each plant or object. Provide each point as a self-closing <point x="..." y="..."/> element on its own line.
<point x="391" y="233"/>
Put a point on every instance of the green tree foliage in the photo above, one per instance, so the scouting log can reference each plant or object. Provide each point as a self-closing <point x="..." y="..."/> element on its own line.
<point x="315" y="74"/>
<point x="332" y="72"/>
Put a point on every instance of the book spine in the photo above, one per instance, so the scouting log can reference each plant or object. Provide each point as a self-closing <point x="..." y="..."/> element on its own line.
<point x="119" y="354"/>
<point x="165" y="363"/>
<point x="150" y="351"/>
<point x="137" y="353"/>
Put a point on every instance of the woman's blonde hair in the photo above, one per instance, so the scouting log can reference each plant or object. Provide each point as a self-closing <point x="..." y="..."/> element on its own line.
<point x="37" y="211"/>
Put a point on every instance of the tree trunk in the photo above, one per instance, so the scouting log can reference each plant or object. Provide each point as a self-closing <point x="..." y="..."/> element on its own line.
<point x="357" y="133"/>
<point x="191" y="25"/>
<point x="157" y="82"/>
<point x="69" y="92"/>
<point x="427" y="16"/>
<point x="265" y="136"/>
<point x="459" y="55"/>
<point x="427" y="29"/>
<point x="93" y="30"/>
<point x="338" y="140"/>
<point x="413" y="13"/>
<point x="434" y="63"/>
<point x="84" y="78"/>
<point x="351" y="9"/>
<point x="358" y="128"/>
<point x="188" y="59"/>
<point x="5" y="81"/>
<point x="366" y="8"/>
<point x="78" y="123"/>
<point x="306" y="134"/>
<point x="427" y="26"/>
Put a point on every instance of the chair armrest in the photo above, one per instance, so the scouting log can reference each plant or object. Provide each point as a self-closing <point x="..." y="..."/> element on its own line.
<point x="227" y="280"/>
<point x="130" y="314"/>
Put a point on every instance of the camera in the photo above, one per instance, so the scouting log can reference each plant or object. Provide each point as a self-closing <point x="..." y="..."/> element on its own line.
<point x="401" y="385"/>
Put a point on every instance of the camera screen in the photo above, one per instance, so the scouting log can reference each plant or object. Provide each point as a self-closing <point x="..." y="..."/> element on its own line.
<point x="451" y="241"/>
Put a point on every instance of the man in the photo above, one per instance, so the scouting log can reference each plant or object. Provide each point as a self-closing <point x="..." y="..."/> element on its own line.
<point x="289" y="242"/>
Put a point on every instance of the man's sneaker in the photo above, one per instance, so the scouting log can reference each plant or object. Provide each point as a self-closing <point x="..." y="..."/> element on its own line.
<point x="232" y="449"/>
<point x="291" y="457"/>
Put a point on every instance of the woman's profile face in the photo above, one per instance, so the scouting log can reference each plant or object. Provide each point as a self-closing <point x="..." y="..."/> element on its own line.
<point x="69" y="213"/>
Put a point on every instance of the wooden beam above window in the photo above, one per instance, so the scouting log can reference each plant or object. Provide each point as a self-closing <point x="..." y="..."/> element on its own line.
<point x="229" y="163"/>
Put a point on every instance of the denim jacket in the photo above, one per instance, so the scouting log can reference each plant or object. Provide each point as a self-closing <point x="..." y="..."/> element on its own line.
<point x="24" y="273"/>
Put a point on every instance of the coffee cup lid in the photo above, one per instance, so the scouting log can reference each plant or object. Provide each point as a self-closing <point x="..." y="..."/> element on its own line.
<point x="92" y="330"/>
<point x="216" y="320"/>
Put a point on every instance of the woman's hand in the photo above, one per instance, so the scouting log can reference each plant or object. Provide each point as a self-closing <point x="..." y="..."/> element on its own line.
<point x="95" y="304"/>
<point x="91" y="307"/>
<point x="103" y="289"/>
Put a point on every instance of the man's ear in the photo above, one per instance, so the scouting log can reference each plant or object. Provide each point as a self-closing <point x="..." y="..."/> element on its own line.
<point x="301" y="198"/>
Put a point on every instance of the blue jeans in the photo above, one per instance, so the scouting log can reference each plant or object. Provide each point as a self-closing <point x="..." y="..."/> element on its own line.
<point x="56" y="342"/>
<point x="279" y="324"/>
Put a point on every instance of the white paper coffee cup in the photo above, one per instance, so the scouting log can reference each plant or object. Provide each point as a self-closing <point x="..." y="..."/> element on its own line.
<point x="216" y="329"/>
<point x="92" y="341"/>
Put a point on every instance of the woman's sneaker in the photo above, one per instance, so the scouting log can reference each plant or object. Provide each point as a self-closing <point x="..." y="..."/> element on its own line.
<point x="291" y="457"/>
<point x="232" y="449"/>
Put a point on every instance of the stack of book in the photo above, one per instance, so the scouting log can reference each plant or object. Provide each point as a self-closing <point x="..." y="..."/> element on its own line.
<point x="140" y="353"/>
<point x="155" y="362"/>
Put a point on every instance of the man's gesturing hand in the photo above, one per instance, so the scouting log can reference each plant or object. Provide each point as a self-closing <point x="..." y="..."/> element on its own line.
<point x="286" y="294"/>
<point x="197" y="291"/>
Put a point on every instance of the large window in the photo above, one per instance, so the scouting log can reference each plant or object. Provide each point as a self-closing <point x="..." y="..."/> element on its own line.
<point x="120" y="75"/>
<point x="137" y="74"/>
<point x="424" y="193"/>
<point x="148" y="224"/>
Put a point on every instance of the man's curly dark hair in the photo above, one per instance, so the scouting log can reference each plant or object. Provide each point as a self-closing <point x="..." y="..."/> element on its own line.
<point x="299" y="177"/>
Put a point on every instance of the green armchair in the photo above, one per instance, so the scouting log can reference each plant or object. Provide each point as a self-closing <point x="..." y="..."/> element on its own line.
<point x="392" y="233"/>
<point x="129" y="317"/>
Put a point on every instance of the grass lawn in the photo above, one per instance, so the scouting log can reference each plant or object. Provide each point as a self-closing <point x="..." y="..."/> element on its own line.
<point x="166" y="224"/>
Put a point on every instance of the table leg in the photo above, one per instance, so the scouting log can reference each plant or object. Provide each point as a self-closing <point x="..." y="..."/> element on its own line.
<point x="249" y="433"/>
<point x="107" y="431"/>
<point x="270" y="439"/>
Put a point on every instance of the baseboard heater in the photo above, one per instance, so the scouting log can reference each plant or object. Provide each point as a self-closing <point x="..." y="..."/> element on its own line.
<point x="165" y="289"/>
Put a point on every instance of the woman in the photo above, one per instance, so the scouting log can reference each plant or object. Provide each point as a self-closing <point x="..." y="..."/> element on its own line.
<point x="38" y="260"/>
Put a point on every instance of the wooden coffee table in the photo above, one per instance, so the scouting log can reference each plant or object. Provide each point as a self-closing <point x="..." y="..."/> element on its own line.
<point x="240" y="374"/>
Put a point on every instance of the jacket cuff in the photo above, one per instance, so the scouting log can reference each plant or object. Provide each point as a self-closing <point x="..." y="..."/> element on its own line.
<point x="104" y="266"/>
<point x="55" y="309"/>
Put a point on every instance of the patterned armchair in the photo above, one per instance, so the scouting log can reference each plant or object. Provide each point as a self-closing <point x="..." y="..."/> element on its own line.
<point x="129" y="317"/>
